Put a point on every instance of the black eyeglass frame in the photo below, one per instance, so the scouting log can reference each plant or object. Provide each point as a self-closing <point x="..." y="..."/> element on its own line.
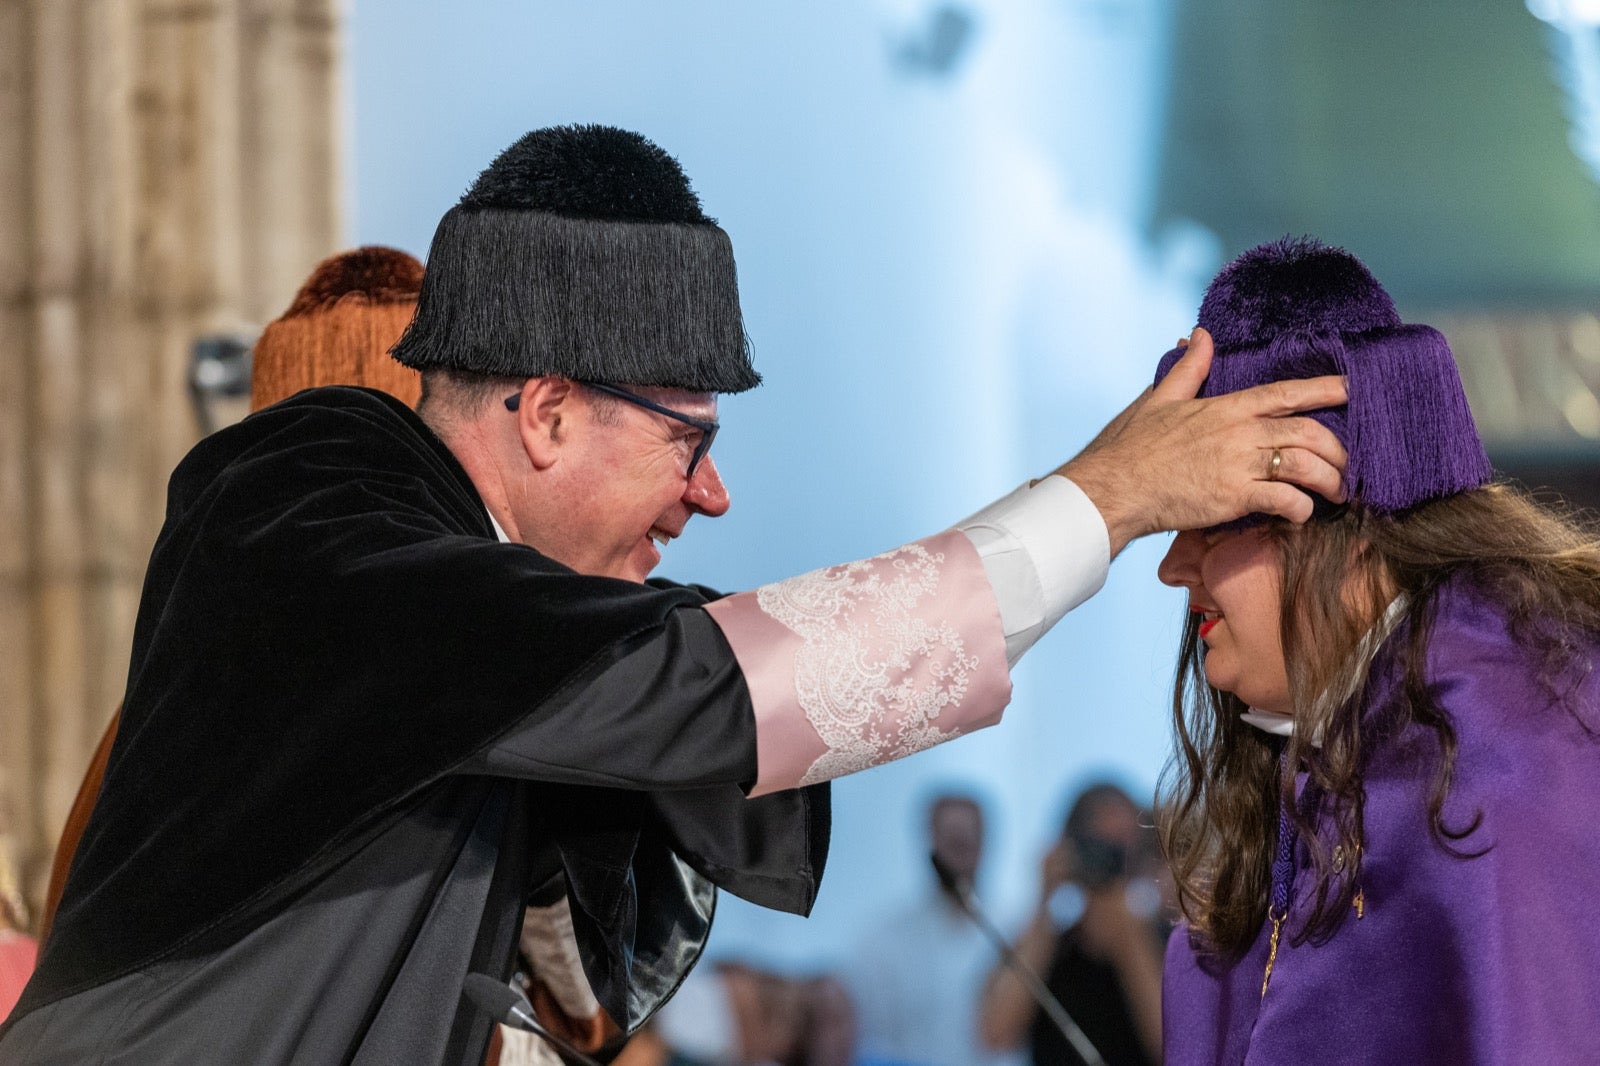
<point x="708" y="430"/>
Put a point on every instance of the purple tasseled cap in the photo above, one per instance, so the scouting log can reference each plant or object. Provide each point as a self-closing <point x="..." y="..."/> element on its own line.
<point x="1296" y="308"/>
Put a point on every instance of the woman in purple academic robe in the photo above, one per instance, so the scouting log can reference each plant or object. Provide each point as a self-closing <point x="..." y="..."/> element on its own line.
<point x="1384" y="813"/>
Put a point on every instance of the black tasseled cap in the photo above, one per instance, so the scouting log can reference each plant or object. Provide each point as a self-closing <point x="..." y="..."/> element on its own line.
<point x="582" y="252"/>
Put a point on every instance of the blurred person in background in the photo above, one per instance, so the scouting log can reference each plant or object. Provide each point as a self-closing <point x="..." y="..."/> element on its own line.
<point x="916" y="976"/>
<point x="732" y="1013"/>
<point x="1104" y="966"/>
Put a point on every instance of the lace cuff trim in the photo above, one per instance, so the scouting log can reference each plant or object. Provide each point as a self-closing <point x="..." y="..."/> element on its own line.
<point x="856" y="665"/>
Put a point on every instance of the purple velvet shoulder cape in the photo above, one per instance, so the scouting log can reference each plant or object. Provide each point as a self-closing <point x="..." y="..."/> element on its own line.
<point x="1492" y="959"/>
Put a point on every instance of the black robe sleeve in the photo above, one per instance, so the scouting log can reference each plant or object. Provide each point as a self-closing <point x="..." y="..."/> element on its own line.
<point x="639" y="866"/>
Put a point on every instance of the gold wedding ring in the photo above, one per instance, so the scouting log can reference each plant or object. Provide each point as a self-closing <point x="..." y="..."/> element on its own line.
<point x="1274" y="464"/>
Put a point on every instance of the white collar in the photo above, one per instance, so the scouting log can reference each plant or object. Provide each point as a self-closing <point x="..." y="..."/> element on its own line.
<point x="1282" y="725"/>
<point x="1279" y="725"/>
<point x="498" y="532"/>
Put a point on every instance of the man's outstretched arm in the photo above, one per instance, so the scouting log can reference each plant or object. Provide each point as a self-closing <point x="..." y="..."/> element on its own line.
<point x="859" y="664"/>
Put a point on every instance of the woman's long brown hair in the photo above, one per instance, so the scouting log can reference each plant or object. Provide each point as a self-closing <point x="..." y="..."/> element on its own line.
<point x="1221" y="793"/>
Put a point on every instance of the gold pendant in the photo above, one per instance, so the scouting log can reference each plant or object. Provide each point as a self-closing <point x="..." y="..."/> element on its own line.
<point x="1272" y="952"/>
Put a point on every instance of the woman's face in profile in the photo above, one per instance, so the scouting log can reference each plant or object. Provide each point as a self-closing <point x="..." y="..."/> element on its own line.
<point x="1234" y="583"/>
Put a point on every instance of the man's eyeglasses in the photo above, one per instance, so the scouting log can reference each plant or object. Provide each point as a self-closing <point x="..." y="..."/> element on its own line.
<point x="708" y="430"/>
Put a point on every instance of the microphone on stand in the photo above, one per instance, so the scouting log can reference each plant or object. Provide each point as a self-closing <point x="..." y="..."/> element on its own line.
<point x="509" y="1006"/>
<point x="962" y="893"/>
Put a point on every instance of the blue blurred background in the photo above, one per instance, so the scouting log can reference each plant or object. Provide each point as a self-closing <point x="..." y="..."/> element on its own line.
<point x="965" y="233"/>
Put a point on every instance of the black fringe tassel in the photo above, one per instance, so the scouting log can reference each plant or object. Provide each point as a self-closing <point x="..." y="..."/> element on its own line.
<point x="519" y="293"/>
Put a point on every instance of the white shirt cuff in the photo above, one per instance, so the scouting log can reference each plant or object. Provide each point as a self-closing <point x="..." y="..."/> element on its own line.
<point x="551" y="944"/>
<point x="1045" y="550"/>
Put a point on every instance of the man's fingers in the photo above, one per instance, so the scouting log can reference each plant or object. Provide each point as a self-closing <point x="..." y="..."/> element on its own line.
<point x="1189" y="372"/>
<point x="1170" y="461"/>
<point x="1278" y="398"/>
<point x="1279" y="498"/>
<point x="1308" y="470"/>
<point x="1308" y="434"/>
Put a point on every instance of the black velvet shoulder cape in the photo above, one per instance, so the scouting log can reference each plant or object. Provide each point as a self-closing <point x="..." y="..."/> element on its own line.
<point x="328" y="625"/>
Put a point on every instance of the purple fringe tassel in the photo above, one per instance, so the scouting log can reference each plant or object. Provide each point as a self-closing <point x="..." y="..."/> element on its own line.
<point x="1408" y="429"/>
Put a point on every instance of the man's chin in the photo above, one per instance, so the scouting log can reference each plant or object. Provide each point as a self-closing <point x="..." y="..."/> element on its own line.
<point x="645" y="558"/>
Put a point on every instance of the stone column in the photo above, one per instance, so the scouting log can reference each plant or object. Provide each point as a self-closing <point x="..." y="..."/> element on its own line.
<point x="17" y="656"/>
<point x="290" y="143"/>
<point x="56" y="439"/>
<point x="187" y="225"/>
<point x="167" y="169"/>
<point x="115" y="404"/>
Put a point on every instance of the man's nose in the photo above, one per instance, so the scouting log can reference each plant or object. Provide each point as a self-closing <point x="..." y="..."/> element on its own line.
<point x="1181" y="566"/>
<point x="704" y="492"/>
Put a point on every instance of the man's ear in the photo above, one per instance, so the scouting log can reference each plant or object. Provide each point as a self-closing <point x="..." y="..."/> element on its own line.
<point x="544" y="418"/>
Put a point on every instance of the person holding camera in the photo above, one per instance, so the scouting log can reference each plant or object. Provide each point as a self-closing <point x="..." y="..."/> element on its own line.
<point x="1105" y="967"/>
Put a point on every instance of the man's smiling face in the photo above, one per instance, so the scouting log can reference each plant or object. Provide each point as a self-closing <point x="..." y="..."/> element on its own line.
<point x="626" y="486"/>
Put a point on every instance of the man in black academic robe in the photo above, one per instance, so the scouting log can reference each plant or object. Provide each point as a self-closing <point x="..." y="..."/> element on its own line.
<point x="326" y="789"/>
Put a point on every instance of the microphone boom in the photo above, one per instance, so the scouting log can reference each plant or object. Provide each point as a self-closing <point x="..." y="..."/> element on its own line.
<point x="1042" y="995"/>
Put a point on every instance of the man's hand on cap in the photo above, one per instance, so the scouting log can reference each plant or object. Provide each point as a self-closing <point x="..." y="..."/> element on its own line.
<point x="1171" y="461"/>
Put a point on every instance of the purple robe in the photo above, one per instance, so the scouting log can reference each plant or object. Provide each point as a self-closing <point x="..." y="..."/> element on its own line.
<point x="1492" y="959"/>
